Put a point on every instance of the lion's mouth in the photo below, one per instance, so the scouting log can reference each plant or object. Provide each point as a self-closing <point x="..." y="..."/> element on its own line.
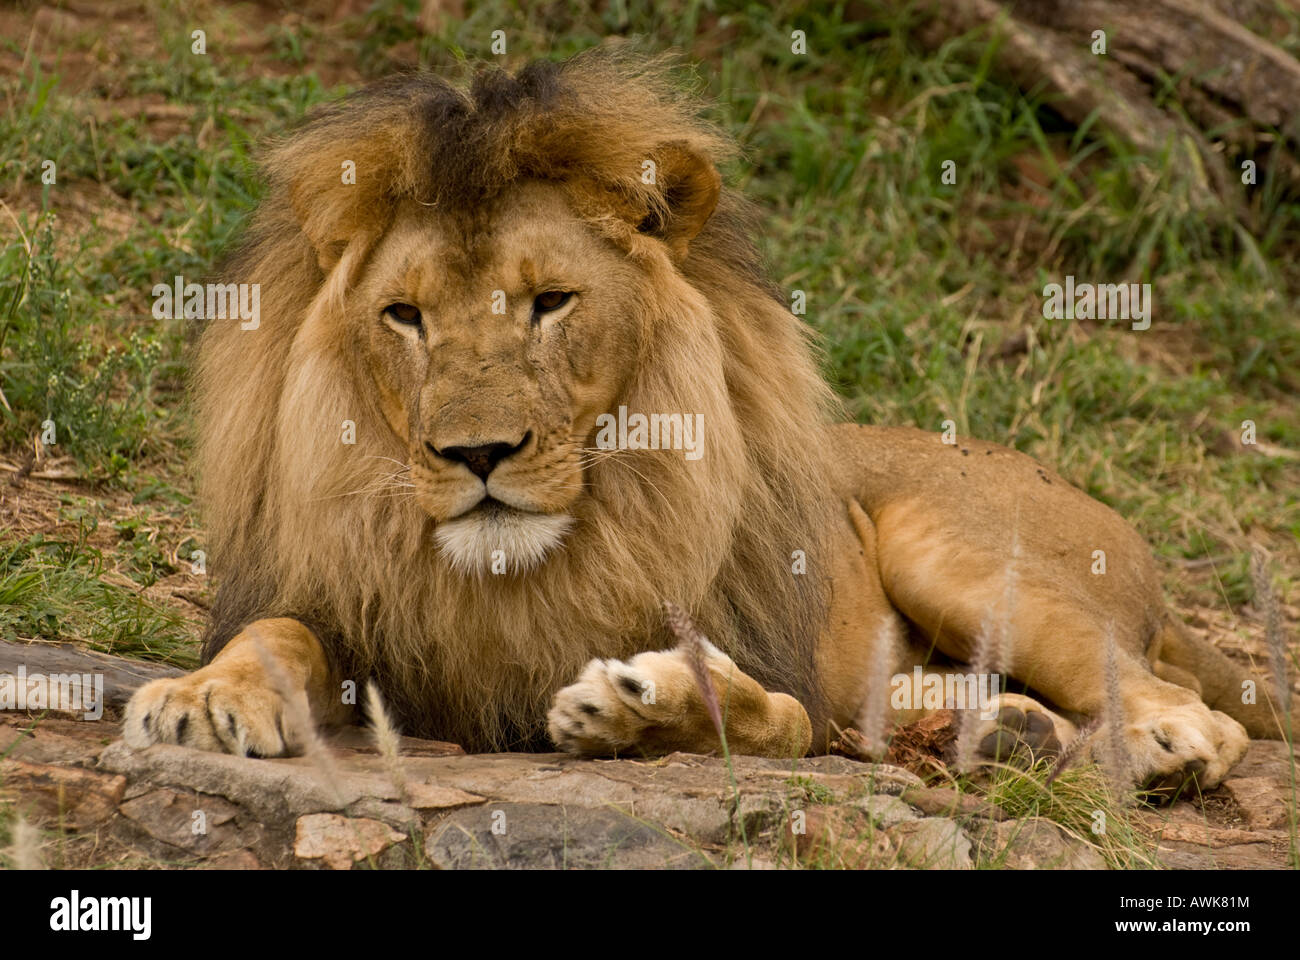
<point x="495" y="537"/>
<point x="489" y="507"/>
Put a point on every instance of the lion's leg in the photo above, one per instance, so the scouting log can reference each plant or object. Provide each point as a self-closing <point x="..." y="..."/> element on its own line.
<point x="896" y="676"/>
<point x="652" y="704"/>
<point x="1053" y="638"/>
<point x="253" y="699"/>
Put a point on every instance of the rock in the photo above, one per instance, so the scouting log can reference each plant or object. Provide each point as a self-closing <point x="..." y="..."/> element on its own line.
<point x="232" y="860"/>
<point x="865" y="777"/>
<point x="51" y="740"/>
<point x="1184" y="839"/>
<point x="60" y="796"/>
<point x="1187" y="844"/>
<point x="193" y="822"/>
<point x="1266" y="758"/>
<point x="754" y="863"/>
<point x="837" y="837"/>
<point x="682" y="810"/>
<point x="542" y="836"/>
<point x="1035" y="844"/>
<point x="759" y="813"/>
<point x="689" y="797"/>
<point x="932" y="843"/>
<point x="431" y="796"/>
<point x="945" y="802"/>
<point x="1264" y="802"/>
<point x="341" y="841"/>
<point x="271" y="789"/>
<point x="885" y="811"/>
<point x="883" y="778"/>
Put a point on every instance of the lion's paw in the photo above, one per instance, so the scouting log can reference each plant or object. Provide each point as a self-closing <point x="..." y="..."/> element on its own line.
<point x="1018" y="730"/>
<point x="207" y="711"/>
<point x="1175" y="745"/>
<point x="616" y="704"/>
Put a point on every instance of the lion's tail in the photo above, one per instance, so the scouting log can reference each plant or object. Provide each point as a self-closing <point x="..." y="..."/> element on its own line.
<point x="1223" y="684"/>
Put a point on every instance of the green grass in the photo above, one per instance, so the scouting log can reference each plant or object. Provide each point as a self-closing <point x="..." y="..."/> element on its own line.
<point x="53" y="590"/>
<point x="1081" y="802"/>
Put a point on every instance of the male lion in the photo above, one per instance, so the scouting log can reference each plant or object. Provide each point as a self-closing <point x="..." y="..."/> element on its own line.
<point x="402" y="478"/>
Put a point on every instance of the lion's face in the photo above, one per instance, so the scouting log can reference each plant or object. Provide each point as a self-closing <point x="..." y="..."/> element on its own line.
<point x="493" y="347"/>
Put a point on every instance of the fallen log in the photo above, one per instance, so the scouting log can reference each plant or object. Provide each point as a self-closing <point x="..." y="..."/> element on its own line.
<point x="1199" y="76"/>
<point x="122" y="677"/>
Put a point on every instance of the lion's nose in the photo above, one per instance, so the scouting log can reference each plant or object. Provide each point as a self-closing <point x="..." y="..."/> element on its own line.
<point x="481" y="459"/>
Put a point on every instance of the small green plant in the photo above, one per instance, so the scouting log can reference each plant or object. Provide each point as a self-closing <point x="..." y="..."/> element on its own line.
<point x="53" y="589"/>
<point x="811" y="791"/>
<point x="90" y="402"/>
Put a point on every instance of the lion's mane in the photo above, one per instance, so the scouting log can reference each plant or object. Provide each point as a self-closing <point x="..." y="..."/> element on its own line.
<point x="476" y="660"/>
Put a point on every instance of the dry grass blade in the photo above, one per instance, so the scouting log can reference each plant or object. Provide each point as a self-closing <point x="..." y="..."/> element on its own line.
<point x="693" y="642"/>
<point x="984" y="661"/>
<point x="873" y="720"/>
<point x="1266" y="604"/>
<point x="1117" y="763"/>
<point x="991" y="646"/>
<point x="25" y="847"/>
<point x="387" y="739"/>
<point x="1072" y="750"/>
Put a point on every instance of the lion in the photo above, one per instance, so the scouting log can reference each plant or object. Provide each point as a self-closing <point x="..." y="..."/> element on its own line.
<point x="408" y="472"/>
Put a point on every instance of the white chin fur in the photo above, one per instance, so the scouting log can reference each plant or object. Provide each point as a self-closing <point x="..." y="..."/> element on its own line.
<point x="500" y="541"/>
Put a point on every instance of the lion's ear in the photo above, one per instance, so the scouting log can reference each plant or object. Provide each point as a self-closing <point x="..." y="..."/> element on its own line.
<point x="689" y="187"/>
<point x="336" y="201"/>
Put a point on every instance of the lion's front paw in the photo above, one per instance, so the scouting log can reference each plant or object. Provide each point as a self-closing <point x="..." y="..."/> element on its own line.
<point x="1176" y="744"/>
<point x="650" y="702"/>
<point x="605" y="711"/>
<point x="209" y="711"/>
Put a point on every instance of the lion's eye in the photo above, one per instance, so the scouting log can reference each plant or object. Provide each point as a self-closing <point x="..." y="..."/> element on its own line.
<point x="550" y="301"/>
<point x="403" y="313"/>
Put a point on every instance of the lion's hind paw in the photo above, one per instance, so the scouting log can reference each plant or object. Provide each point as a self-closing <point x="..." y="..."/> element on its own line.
<point x="1020" y="732"/>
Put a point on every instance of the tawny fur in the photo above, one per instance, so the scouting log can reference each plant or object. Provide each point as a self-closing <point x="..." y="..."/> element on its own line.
<point x="478" y="664"/>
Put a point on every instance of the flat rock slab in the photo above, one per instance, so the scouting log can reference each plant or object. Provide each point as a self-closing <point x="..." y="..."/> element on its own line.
<point x="52" y="739"/>
<point x="172" y="806"/>
<point x="558" y="837"/>
<point x="1187" y="841"/>
<point x="689" y="795"/>
<point x="175" y="806"/>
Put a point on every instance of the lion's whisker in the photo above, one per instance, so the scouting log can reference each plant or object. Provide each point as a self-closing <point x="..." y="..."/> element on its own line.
<point x="376" y="456"/>
<point x="375" y="486"/>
